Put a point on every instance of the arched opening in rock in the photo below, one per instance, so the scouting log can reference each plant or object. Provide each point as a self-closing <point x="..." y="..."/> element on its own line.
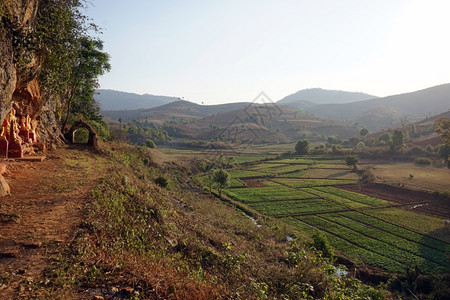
<point x="82" y="133"/>
<point x="80" y="136"/>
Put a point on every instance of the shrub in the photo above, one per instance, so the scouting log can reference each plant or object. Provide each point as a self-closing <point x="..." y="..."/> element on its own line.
<point x="150" y="144"/>
<point x="416" y="150"/>
<point x="367" y="176"/>
<point x="161" y="181"/>
<point x="422" y="161"/>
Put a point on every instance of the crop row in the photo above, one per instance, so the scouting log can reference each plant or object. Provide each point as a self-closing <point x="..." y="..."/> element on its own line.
<point x="235" y="183"/>
<point x="374" y="245"/>
<point x="307" y="182"/>
<point x="279" y="208"/>
<point x="399" y="231"/>
<point x="244" y="173"/>
<point x="344" y="201"/>
<point x="357" y="253"/>
<point x="266" y="193"/>
<point x="353" y="196"/>
<point x="436" y="256"/>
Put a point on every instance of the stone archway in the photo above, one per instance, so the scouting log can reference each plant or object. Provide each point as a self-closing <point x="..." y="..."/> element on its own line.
<point x="92" y="139"/>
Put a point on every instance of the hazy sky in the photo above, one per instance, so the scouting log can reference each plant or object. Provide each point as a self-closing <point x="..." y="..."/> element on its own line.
<point x="215" y="51"/>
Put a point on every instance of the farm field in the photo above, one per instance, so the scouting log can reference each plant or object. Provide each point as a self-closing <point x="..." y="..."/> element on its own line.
<point x="426" y="178"/>
<point x="373" y="224"/>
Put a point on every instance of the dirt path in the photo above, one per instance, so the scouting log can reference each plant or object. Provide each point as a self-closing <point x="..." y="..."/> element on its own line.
<point x="39" y="217"/>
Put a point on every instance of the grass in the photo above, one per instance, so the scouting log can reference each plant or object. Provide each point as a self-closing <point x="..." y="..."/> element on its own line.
<point x="426" y="178"/>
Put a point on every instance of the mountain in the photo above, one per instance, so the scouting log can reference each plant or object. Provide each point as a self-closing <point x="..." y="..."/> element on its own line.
<point x="260" y="123"/>
<point x="180" y="110"/>
<point x="115" y="100"/>
<point x="310" y="97"/>
<point x="384" y="112"/>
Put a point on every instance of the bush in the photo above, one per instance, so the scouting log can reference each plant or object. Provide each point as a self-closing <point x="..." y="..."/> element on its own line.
<point x="161" y="181"/>
<point x="367" y="176"/>
<point x="422" y="161"/>
<point x="150" y="144"/>
<point x="416" y="150"/>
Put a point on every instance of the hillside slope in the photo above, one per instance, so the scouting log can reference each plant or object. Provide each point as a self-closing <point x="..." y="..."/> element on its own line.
<point x="116" y="100"/>
<point x="311" y="97"/>
<point x="109" y="231"/>
<point x="386" y="111"/>
<point x="180" y="110"/>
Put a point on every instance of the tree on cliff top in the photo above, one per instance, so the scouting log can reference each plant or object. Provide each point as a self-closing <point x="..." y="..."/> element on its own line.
<point x="72" y="59"/>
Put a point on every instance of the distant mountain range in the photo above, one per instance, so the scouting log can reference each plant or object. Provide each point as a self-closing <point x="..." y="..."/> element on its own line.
<point x="367" y="110"/>
<point x="387" y="111"/>
<point x="311" y="97"/>
<point x="115" y="100"/>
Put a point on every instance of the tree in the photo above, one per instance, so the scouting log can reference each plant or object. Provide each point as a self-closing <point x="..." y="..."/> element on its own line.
<point x="443" y="128"/>
<point x="352" y="161"/>
<point x="222" y="178"/>
<point x="364" y="132"/>
<point x="149" y="143"/>
<point x="302" y="147"/>
<point x="89" y="64"/>
<point x="444" y="151"/>
<point x="397" y="139"/>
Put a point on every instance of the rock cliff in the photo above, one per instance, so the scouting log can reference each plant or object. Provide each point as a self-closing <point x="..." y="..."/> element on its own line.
<point x="19" y="81"/>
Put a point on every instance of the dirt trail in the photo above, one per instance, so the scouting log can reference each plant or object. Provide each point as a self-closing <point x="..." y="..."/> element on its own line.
<point x="39" y="217"/>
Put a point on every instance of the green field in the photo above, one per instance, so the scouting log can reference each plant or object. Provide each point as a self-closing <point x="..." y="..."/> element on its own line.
<point x="305" y="192"/>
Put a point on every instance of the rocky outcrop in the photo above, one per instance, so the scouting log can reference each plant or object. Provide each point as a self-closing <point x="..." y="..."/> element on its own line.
<point x="19" y="86"/>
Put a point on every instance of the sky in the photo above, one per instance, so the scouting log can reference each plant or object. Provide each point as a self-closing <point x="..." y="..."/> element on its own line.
<point x="215" y="51"/>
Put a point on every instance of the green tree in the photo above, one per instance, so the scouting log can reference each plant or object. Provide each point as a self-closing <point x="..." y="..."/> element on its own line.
<point x="397" y="139"/>
<point x="150" y="144"/>
<point x="352" y="161"/>
<point x="444" y="151"/>
<point x="302" y="147"/>
<point x="363" y="132"/>
<point x="91" y="62"/>
<point x="222" y="178"/>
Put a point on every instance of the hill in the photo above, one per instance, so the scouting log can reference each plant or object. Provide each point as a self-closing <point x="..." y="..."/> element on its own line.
<point x="115" y="100"/>
<point x="97" y="226"/>
<point x="257" y="123"/>
<point x="385" y="112"/>
<point x="181" y="111"/>
<point x="310" y="97"/>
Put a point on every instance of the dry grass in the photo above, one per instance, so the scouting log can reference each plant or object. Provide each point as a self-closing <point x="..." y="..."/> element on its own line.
<point x="426" y="178"/>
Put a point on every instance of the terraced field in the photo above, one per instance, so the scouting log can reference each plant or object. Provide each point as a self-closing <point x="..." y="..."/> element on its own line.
<point x="321" y="195"/>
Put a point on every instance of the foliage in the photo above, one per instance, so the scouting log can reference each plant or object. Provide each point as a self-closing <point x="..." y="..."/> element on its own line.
<point x="69" y="59"/>
<point x="397" y="139"/>
<point x="351" y="161"/>
<point x="363" y="132"/>
<point x="221" y="177"/>
<point x="161" y="181"/>
<point x="302" y="147"/>
<point x="367" y="176"/>
<point x="138" y="133"/>
<point x="444" y="151"/>
<point x="422" y="161"/>
<point x="443" y="128"/>
<point x="386" y="137"/>
<point x="150" y="143"/>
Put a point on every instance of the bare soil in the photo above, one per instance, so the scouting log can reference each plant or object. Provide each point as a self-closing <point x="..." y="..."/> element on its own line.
<point x="415" y="200"/>
<point x="39" y="217"/>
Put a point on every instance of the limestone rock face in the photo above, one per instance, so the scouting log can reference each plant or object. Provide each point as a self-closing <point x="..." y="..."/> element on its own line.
<point x="21" y="87"/>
